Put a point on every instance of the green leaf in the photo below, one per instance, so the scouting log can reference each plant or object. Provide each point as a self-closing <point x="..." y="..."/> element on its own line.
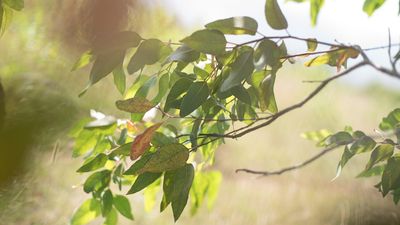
<point x="142" y="181"/>
<point x="274" y="15"/>
<point x="241" y="69"/>
<point x="97" y="181"/>
<point x="149" y="52"/>
<point x="336" y="58"/>
<point x="267" y="53"/>
<point x="107" y="202"/>
<point x="176" y="188"/>
<point x="315" y="7"/>
<point x="235" y="25"/>
<point x="312" y="44"/>
<point x="391" y="121"/>
<point x="197" y="94"/>
<point x="340" y="138"/>
<point x="135" y="105"/>
<point x="145" y="88"/>
<point x="183" y="54"/>
<point x="86" y="58"/>
<point x="96" y="163"/>
<point x="363" y="144"/>
<point x="180" y="86"/>
<point x="86" y="213"/>
<point x="123" y="150"/>
<point x="207" y="41"/>
<point x="241" y="93"/>
<point x="346" y="156"/>
<point x="374" y="171"/>
<point x="111" y="218"/>
<point x="391" y="175"/>
<point x="104" y="64"/>
<point x="168" y="157"/>
<point x="267" y="98"/>
<point x="163" y="86"/>
<point x="120" y="79"/>
<point x="371" y="5"/>
<point x="380" y="153"/>
<point x="84" y="142"/>
<point x="121" y="203"/>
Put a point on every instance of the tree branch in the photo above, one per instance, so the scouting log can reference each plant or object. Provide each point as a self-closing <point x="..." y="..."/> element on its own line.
<point x="290" y="168"/>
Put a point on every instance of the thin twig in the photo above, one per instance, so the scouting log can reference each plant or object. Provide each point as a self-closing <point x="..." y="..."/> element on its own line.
<point x="290" y="168"/>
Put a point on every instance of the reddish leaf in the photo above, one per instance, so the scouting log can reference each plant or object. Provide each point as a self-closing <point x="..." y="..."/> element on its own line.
<point x="142" y="141"/>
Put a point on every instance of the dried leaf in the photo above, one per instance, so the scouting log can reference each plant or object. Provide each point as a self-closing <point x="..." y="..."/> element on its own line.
<point x="142" y="141"/>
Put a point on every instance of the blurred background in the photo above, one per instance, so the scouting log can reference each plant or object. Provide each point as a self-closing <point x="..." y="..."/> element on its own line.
<point x="38" y="183"/>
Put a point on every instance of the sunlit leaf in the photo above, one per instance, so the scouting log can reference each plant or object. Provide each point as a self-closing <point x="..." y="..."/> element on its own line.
<point x="317" y="136"/>
<point x="371" y="5"/>
<point x="105" y="64"/>
<point x="391" y="121"/>
<point x="111" y="218"/>
<point x="97" y="181"/>
<point x="315" y="7"/>
<point x="374" y="171"/>
<point x="168" y="157"/>
<point x="96" y="163"/>
<point x="86" y="213"/>
<point x="86" y="58"/>
<point x="134" y="105"/>
<point x="142" y="181"/>
<point x="121" y="203"/>
<point x="340" y="138"/>
<point x="380" y="153"/>
<point x="142" y="141"/>
<point x="336" y="58"/>
<point x="207" y="41"/>
<point x="235" y="25"/>
<point x="274" y="15"/>
<point x="362" y="144"/>
<point x="346" y="156"/>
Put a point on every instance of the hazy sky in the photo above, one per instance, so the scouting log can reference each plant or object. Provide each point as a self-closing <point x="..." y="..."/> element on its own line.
<point x="341" y="20"/>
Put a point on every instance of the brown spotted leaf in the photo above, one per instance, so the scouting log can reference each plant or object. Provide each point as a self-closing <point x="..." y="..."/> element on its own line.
<point x="142" y="141"/>
<point x="134" y="105"/>
<point x="166" y="158"/>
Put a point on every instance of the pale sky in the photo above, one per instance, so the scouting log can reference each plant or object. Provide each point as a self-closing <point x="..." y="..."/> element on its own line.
<point x="341" y="20"/>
